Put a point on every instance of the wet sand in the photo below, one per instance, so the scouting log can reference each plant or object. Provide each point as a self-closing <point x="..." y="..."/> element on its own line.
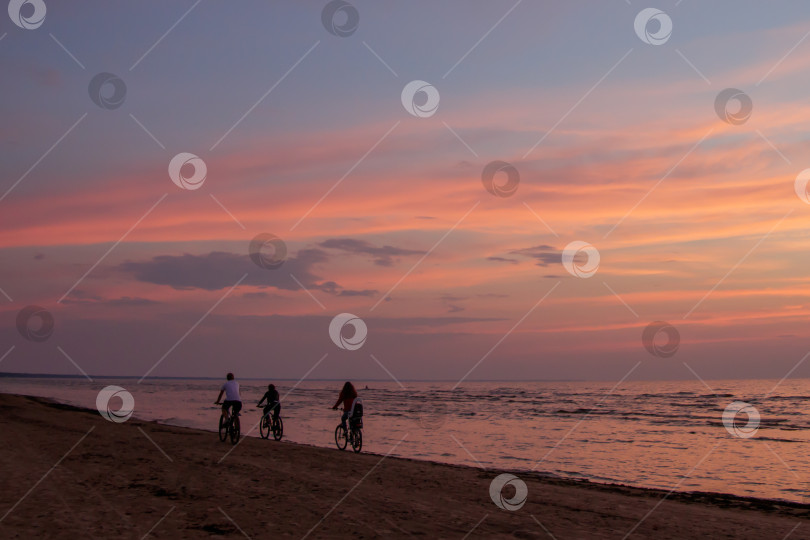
<point x="69" y="473"/>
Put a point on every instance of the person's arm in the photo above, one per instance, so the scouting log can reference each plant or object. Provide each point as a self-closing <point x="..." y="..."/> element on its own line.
<point x="219" y="398"/>
<point x="259" y="404"/>
<point x="339" y="399"/>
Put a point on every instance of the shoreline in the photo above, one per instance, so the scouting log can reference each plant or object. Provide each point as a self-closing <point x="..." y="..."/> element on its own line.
<point x="544" y="476"/>
<point x="70" y="472"/>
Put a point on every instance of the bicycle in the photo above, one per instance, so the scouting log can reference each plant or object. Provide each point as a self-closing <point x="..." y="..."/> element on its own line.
<point x="354" y="435"/>
<point x="271" y="424"/>
<point x="229" y="426"/>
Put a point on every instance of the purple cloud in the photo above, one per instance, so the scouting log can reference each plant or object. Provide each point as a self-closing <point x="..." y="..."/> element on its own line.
<point x="383" y="256"/>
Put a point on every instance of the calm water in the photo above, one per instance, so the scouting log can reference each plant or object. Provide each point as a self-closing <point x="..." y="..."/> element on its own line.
<point x="651" y="434"/>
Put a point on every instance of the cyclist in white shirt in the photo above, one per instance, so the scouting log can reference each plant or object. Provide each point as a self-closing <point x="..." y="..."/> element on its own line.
<point x="232" y="400"/>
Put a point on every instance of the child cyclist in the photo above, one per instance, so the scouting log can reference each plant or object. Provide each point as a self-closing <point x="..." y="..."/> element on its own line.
<point x="273" y="401"/>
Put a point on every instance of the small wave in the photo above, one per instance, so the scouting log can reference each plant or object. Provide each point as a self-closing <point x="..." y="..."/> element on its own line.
<point x="778" y="439"/>
<point x="577" y="411"/>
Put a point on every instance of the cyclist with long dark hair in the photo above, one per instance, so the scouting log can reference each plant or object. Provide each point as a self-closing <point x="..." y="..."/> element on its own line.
<point x="347" y="396"/>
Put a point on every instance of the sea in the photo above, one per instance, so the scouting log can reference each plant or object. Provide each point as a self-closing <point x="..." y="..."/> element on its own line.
<point x="666" y="435"/>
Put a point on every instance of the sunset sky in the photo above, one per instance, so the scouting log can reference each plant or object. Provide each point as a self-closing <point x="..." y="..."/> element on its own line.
<point x="617" y="143"/>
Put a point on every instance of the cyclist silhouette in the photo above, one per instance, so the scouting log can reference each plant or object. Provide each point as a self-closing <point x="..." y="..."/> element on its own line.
<point x="273" y="402"/>
<point x="232" y="400"/>
<point x="347" y="396"/>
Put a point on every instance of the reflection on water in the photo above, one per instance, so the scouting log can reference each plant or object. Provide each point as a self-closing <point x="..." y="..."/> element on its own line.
<point x="650" y="434"/>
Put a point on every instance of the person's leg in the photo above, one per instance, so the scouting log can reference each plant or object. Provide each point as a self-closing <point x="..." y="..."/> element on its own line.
<point x="225" y="406"/>
<point x="277" y="410"/>
<point x="236" y="407"/>
<point x="343" y="418"/>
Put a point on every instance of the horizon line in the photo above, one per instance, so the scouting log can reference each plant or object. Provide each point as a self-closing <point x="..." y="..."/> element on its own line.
<point x="16" y="375"/>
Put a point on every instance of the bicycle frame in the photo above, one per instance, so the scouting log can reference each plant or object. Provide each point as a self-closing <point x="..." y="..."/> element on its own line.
<point x="349" y="435"/>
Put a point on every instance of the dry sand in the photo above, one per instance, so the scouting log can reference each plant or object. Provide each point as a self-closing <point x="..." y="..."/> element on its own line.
<point x="69" y="473"/>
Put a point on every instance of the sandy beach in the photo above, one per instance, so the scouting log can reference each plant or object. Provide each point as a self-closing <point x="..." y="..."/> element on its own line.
<point x="68" y="472"/>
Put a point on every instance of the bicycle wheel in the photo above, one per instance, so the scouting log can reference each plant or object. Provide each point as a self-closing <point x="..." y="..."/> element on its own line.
<point x="341" y="437"/>
<point x="264" y="427"/>
<point x="278" y="429"/>
<point x="357" y="440"/>
<point x="223" y="429"/>
<point x="235" y="430"/>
